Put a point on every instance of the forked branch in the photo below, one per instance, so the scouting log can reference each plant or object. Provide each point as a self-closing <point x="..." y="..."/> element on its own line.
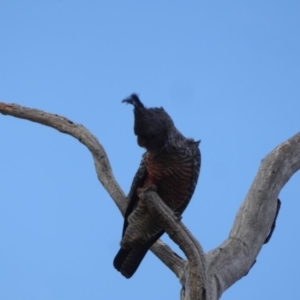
<point x="102" y="165"/>
<point x="231" y="260"/>
<point x="195" y="285"/>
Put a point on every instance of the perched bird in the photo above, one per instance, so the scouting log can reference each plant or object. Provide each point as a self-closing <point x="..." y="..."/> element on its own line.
<point x="172" y="164"/>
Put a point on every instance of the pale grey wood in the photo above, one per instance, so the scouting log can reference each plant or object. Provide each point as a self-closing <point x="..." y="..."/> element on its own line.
<point x="102" y="166"/>
<point x="233" y="259"/>
<point x="230" y="261"/>
<point x="194" y="286"/>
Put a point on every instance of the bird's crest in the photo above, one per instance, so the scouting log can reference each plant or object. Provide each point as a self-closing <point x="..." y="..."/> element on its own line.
<point x="134" y="100"/>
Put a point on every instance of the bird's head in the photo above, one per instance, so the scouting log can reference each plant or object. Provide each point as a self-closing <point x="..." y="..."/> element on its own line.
<point x="151" y="125"/>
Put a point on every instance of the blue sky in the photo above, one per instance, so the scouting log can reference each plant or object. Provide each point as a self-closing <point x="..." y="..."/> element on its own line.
<point x="228" y="73"/>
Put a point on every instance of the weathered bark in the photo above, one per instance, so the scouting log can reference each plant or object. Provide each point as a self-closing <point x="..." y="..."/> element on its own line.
<point x="102" y="165"/>
<point x="202" y="276"/>
<point x="194" y="282"/>
<point x="233" y="259"/>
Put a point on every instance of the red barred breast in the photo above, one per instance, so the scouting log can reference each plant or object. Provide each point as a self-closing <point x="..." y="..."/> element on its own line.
<point x="173" y="176"/>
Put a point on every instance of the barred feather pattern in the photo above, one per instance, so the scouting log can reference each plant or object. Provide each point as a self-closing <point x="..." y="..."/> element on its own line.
<point x="172" y="164"/>
<point x="175" y="175"/>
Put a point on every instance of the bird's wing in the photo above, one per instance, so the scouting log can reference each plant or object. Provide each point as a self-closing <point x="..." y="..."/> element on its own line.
<point x="133" y="199"/>
<point x="196" y="154"/>
<point x="128" y="260"/>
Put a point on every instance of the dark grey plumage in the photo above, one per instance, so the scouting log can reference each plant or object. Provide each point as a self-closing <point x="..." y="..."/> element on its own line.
<point x="172" y="164"/>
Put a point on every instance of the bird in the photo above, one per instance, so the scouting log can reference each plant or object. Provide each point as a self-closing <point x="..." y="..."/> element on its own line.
<point x="171" y="163"/>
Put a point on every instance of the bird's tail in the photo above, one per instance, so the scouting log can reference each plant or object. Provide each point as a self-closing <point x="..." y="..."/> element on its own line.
<point x="128" y="260"/>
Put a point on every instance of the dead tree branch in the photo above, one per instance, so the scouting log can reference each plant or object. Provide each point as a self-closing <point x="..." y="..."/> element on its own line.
<point x="195" y="288"/>
<point x="253" y="223"/>
<point x="233" y="259"/>
<point x="102" y="166"/>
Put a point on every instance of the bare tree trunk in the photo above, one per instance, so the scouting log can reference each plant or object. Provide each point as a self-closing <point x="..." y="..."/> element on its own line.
<point x="203" y="276"/>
